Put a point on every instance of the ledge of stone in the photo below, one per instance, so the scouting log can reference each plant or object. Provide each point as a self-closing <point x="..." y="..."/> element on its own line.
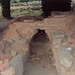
<point x="65" y="57"/>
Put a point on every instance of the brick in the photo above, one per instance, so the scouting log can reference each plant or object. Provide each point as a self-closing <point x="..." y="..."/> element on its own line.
<point x="13" y="53"/>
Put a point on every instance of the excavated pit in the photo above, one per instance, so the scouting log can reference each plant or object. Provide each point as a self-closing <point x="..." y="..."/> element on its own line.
<point x="40" y="60"/>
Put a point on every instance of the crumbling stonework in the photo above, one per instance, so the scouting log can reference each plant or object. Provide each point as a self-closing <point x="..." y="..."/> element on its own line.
<point x="63" y="54"/>
<point x="17" y="36"/>
<point x="56" y="22"/>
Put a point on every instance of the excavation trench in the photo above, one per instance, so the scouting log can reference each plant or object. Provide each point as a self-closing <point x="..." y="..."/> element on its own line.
<point x="40" y="60"/>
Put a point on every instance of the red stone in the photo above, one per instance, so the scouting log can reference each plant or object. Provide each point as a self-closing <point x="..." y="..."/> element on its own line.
<point x="72" y="41"/>
<point x="5" y="57"/>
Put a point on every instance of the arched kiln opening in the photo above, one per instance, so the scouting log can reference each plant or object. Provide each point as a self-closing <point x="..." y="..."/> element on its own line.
<point x="40" y="61"/>
<point x="40" y="42"/>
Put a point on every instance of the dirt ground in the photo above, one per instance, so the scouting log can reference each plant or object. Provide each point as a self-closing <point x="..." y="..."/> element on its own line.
<point x="40" y="61"/>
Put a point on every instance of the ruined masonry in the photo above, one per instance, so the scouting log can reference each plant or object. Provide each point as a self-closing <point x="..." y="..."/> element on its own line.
<point x="58" y="28"/>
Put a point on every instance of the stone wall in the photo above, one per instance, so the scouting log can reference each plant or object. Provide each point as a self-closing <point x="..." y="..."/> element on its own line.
<point x="64" y="54"/>
<point x="26" y="28"/>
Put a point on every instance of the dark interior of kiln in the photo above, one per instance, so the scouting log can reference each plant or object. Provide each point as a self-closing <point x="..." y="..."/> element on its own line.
<point x="40" y="44"/>
<point x="40" y="61"/>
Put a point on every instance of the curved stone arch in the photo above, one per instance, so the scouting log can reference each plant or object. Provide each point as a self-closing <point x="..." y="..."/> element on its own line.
<point x="36" y="31"/>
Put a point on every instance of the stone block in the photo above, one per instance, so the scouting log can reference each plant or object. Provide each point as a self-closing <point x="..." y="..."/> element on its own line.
<point x="61" y="70"/>
<point x="4" y="66"/>
<point x="28" y="21"/>
<point x="18" y="63"/>
<point x="57" y="42"/>
<point x="58" y="35"/>
<point x="58" y="14"/>
<point x="1" y="53"/>
<point x="71" y="73"/>
<point x="57" y="38"/>
<point x="65" y="57"/>
<point x="6" y="57"/>
<point x="9" y="71"/>
<point x="20" y="45"/>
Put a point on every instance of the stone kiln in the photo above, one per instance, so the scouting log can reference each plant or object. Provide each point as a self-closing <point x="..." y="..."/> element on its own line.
<point x="59" y="21"/>
<point x="57" y="27"/>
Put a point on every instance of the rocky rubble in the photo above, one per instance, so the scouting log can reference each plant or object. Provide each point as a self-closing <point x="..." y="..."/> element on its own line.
<point x="14" y="46"/>
<point x="10" y="51"/>
<point x="63" y="54"/>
